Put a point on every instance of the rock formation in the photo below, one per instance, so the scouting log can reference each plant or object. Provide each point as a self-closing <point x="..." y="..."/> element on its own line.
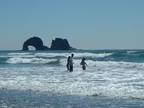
<point x="35" y="42"/>
<point x="60" y="44"/>
<point x="57" y="44"/>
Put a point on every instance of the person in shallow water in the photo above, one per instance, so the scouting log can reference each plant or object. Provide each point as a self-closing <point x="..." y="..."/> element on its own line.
<point x="70" y="63"/>
<point x="83" y="64"/>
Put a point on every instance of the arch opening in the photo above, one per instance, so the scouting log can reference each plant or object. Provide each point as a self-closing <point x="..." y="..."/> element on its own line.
<point x="31" y="48"/>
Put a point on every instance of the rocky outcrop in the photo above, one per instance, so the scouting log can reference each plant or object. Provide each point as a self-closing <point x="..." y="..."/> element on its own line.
<point x="57" y="44"/>
<point x="60" y="44"/>
<point x="35" y="42"/>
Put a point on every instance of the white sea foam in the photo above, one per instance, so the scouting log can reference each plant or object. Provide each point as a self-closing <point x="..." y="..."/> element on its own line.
<point x="107" y="78"/>
<point x="28" y="54"/>
<point x="114" y="79"/>
<point x="52" y="54"/>
<point x="75" y="54"/>
<point x="93" y="55"/>
<point x="133" y="51"/>
<point x="19" y="60"/>
<point x="15" y="58"/>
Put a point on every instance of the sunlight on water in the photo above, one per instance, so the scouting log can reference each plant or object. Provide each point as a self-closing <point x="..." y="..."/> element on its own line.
<point x="46" y="72"/>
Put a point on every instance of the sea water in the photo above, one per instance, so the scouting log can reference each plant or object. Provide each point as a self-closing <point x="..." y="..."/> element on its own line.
<point x="39" y="79"/>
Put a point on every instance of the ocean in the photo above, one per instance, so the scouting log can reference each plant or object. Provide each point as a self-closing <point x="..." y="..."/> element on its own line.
<point x="39" y="79"/>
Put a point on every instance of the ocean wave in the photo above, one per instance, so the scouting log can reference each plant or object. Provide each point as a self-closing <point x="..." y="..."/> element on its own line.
<point x="94" y="55"/>
<point x="91" y="57"/>
<point x="19" y="60"/>
<point x="3" y="60"/>
<point x="105" y="78"/>
<point x="111" y="74"/>
<point x="88" y="83"/>
<point x="29" y="57"/>
<point x="63" y="61"/>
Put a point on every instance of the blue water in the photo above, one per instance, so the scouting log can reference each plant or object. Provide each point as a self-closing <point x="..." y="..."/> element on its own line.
<point x="39" y="79"/>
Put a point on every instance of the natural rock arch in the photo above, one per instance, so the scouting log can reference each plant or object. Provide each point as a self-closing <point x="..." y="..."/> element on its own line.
<point x="35" y="42"/>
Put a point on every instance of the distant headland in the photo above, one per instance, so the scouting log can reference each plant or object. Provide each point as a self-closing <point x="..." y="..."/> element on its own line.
<point x="37" y="43"/>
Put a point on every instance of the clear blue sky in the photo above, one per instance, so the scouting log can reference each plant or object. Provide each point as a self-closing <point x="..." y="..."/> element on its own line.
<point x="87" y="24"/>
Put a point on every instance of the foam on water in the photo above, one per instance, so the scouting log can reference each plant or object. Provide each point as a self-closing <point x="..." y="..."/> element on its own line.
<point x="26" y="54"/>
<point x="93" y="55"/>
<point x="113" y="79"/>
<point x="76" y="54"/>
<point x="106" y="78"/>
<point x="35" y="58"/>
<point x="19" y="60"/>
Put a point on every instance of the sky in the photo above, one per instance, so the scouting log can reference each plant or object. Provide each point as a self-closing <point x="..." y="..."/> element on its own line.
<point x="87" y="24"/>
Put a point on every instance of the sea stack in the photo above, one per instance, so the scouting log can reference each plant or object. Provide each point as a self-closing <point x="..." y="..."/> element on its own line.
<point x="57" y="44"/>
<point x="60" y="44"/>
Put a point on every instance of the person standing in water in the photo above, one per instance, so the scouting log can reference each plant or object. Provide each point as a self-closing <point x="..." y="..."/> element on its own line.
<point x="71" y="63"/>
<point x="83" y="63"/>
<point x="68" y="63"/>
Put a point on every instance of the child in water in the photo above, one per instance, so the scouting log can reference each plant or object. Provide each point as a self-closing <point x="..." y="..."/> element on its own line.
<point x="83" y="63"/>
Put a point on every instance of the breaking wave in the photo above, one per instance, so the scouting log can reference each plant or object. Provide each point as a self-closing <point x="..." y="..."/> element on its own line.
<point x="46" y="58"/>
<point x="60" y="57"/>
<point x="112" y="73"/>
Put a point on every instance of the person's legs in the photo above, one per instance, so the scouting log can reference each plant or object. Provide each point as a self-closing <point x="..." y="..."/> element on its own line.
<point x="68" y="67"/>
<point x="71" y="68"/>
<point x="84" y="67"/>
